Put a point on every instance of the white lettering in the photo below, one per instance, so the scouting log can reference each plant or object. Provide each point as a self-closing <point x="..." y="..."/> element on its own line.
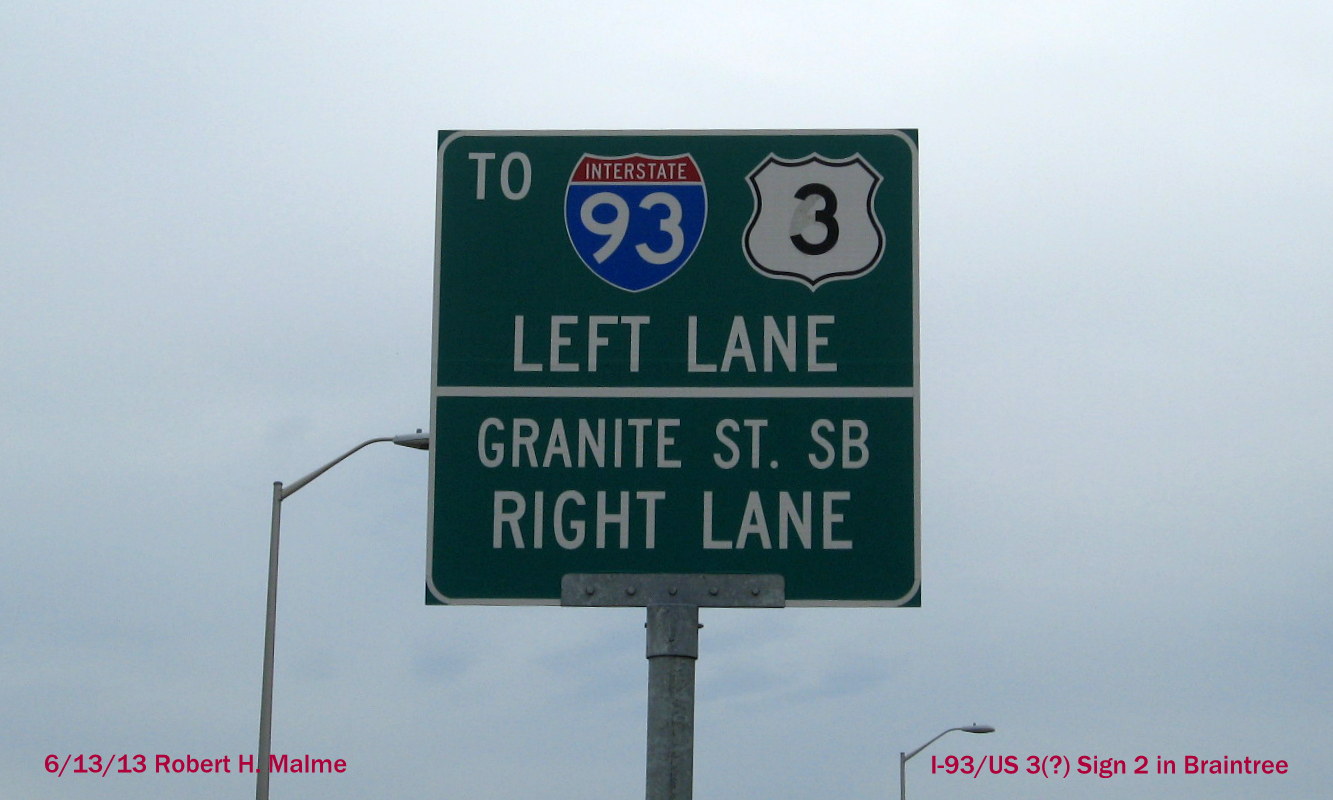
<point x="692" y="347"/>
<point x="634" y="323"/>
<point x="559" y="341"/>
<point x="494" y="454"/>
<point x="650" y="507"/>
<point x="786" y="347"/>
<point x="557" y="445"/>
<point x="577" y="526"/>
<point x="513" y="516"/>
<point x="816" y="428"/>
<point x="728" y="426"/>
<point x="738" y="346"/>
<point x="854" y="434"/>
<point x="709" y="542"/>
<point x="855" y="450"/>
<point x="723" y="428"/>
<point x="753" y="526"/>
<point x="595" y="340"/>
<point x="620" y="519"/>
<point x="755" y="426"/>
<point x="788" y="517"/>
<point x="505" y="185"/>
<point x="563" y="356"/>
<point x="519" y="364"/>
<point x="780" y="342"/>
<point x="525" y="439"/>
<point x="591" y="443"/>
<point x="831" y="518"/>
<point x="665" y="440"/>
<point x="638" y="425"/>
<point x="814" y="341"/>
<point x="651" y="442"/>
<point x="508" y="509"/>
<point x="753" y="521"/>
<point x="481" y="159"/>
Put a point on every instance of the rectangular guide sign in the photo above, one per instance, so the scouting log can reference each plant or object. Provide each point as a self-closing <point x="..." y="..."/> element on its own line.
<point x="676" y="352"/>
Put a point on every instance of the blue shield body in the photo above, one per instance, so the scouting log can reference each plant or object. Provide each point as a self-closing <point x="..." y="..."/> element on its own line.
<point x="635" y="220"/>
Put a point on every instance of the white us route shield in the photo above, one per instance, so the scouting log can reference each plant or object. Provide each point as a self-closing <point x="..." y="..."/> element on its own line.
<point x="814" y="219"/>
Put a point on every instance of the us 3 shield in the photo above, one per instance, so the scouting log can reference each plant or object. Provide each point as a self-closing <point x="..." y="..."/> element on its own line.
<point x="814" y="219"/>
<point x="635" y="220"/>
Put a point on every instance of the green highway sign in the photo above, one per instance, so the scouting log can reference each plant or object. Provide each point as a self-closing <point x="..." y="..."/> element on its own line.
<point x="684" y="352"/>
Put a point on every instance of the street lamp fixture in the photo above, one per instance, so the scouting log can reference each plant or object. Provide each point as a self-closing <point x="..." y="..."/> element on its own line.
<point x="902" y="757"/>
<point x="417" y="441"/>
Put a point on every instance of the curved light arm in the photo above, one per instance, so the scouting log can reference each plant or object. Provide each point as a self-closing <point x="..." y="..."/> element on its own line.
<point x="902" y="757"/>
<point x="418" y="441"/>
<point x="968" y="728"/>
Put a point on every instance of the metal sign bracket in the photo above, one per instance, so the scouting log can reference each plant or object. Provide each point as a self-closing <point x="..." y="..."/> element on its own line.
<point x="701" y="591"/>
<point x="673" y="603"/>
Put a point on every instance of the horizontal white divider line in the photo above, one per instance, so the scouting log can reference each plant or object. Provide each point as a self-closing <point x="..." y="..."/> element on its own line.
<point x="677" y="391"/>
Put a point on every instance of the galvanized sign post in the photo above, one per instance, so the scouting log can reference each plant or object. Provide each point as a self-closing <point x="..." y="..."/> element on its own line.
<point x="688" y="356"/>
<point x="673" y="603"/>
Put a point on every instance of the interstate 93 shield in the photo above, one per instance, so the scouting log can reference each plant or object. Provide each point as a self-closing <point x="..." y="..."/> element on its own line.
<point x="635" y="220"/>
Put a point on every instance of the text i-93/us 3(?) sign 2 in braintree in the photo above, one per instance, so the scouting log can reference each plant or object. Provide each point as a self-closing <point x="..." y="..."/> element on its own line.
<point x="676" y="352"/>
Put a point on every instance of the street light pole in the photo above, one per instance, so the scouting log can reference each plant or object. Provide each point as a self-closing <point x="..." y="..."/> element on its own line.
<point x="418" y="441"/>
<point x="902" y="757"/>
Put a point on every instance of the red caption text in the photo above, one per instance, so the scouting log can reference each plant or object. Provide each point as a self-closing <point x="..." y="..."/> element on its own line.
<point x="164" y="764"/>
<point x="1061" y="766"/>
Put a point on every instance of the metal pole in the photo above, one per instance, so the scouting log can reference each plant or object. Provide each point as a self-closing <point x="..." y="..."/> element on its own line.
<point x="903" y="757"/>
<point x="673" y="647"/>
<point x="270" y="625"/>
<point x="673" y="602"/>
<point x="417" y="441"/>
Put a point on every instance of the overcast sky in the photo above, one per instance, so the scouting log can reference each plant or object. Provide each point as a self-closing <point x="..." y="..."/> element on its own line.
<point x="217" y="234"/>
